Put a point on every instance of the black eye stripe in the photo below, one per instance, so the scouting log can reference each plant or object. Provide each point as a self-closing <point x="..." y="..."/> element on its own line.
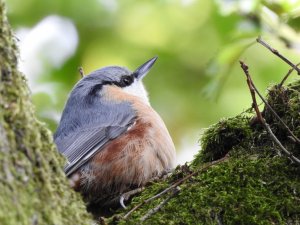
<point x="125" y="81"/>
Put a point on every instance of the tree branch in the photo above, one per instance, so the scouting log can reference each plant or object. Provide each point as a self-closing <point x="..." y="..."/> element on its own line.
<point x="175" y="185"/>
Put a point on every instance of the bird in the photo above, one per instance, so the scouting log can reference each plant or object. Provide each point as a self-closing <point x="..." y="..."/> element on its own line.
<point x="111" y="137"/>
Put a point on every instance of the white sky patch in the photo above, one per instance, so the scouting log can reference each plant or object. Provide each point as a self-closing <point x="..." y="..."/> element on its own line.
<point x="246" y="6"/>
<point x="188" y="148"/>
<point x="109" y="5"/>
<point x="227" y="7"/>
<point x="269" y="16"/>
<point x="187" y="2"/>
<point x="48" y="44"/>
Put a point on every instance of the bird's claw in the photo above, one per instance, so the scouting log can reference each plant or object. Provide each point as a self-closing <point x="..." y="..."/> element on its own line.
<point x="122" y="201"/>
<point x="126" y="196"/>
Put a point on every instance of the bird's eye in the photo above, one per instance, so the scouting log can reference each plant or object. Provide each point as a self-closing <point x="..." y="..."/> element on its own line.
<point x="126" y="81"/>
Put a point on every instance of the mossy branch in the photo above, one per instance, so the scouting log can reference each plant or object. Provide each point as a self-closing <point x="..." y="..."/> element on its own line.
<point x="175" y="186"/>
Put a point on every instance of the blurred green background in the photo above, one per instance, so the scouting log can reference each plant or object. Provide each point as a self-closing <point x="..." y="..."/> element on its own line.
<point x="197" y="79"/>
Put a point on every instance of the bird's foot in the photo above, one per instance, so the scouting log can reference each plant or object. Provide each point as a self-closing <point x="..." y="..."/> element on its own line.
<point x="126" y="196"/>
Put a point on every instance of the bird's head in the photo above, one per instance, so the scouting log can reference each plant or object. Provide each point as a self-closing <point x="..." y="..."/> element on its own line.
<point x="120" y="77"/>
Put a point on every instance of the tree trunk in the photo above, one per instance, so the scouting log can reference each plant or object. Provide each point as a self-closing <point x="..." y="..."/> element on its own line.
<point x="33" y="188"/>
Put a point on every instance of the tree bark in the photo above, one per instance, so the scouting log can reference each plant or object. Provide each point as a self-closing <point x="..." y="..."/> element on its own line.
<point x="33" y="188"/>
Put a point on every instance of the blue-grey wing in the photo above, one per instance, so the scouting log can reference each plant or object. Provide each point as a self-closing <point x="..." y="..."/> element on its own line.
<point x="83" y="133"/>
<point x="81" y="146"/>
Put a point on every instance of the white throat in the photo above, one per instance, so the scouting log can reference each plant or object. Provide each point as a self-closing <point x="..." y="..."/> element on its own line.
<point x="137" y="89"/>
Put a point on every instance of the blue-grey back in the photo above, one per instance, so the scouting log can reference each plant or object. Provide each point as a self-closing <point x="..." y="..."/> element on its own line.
<point x="89" y="121"/>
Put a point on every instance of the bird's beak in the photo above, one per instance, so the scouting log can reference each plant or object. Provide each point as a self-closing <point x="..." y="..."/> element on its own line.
<point x="140" y="72"/>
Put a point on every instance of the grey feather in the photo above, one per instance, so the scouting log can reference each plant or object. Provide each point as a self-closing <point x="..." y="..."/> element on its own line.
<point x="89" y="121"/>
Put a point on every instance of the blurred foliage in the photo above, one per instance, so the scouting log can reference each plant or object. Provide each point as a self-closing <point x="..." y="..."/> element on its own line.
<point x="197" y="79"/>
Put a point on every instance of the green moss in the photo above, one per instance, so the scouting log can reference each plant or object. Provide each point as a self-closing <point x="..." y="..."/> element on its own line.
<point x="255" y="185"/>
<point x="33" y="187"/>
<point x="243" y="190"/>
<point x="286" y="102"/>
<point x="220" y="138"/>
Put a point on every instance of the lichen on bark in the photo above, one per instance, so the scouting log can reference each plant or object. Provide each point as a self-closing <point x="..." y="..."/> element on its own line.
<point x="33" y="188"/>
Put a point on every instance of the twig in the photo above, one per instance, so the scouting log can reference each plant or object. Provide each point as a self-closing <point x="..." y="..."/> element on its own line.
<point x="176" y="184"/>
<point x="287" y="75"/>
<point x="288" y="153"/>
<point x="294" y="67"/>
<point x="274" y="51"/>
<point x="253" y="88"/>
<point x="261" y="119"/>
<point x="275" y="114"/>
<point x="134" y="208"/>
<point x="80" y="70"/>
<point x="159" y="206"/>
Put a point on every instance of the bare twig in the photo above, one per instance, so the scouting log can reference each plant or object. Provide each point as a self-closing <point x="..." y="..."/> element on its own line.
<point x="80" y="70"/>
<point x="159" y="206"/>
<point x="261" y="119"/>
<point x="295" y="138"/>
<point x="294" y="67"/>
<point x="288" y="153"/>
<point x="134" y="209"/>
<point x="253" y="89"/>
<point x="176" y="184"/>
<point x="287" y="75"/>
<point x="274" y="51"/>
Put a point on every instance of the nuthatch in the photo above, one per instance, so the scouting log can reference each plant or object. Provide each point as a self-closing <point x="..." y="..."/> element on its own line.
<point x="112" y="138"/>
